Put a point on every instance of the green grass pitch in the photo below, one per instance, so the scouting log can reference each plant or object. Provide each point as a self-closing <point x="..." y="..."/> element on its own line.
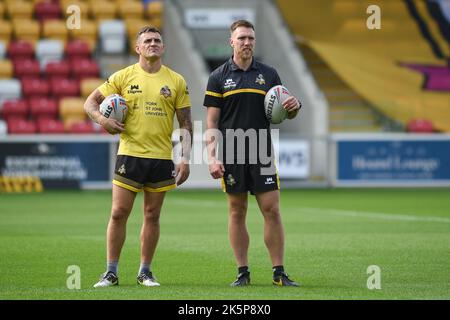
<point x="332" y="237"/>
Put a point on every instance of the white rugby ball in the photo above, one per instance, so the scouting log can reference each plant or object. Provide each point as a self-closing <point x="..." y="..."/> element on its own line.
<point x="273" y="104"/>
<point x="114" y="107"/>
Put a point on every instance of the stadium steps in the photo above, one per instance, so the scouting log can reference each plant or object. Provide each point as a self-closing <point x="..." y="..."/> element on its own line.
<point x="348" y="111"/>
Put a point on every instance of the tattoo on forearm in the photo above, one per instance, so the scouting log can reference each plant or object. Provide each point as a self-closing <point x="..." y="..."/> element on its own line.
<point x="185" y="121"/>
<point x="91" y="107"/>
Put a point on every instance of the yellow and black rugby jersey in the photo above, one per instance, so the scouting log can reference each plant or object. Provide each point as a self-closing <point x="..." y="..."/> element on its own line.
<point x="152" y="99"/>
<point x="240" y="94"/>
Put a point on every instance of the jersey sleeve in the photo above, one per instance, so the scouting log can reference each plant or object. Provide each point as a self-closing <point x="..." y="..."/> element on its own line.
<point x="277" y="80"/>
<point x="111" y="85"/>
<point x="213" y="94"/>
<point x="183" y="100"/>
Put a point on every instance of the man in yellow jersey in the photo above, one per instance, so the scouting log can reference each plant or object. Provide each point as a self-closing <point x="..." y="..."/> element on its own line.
<point x="154" y="94"/>
<point x="235" y="101"/>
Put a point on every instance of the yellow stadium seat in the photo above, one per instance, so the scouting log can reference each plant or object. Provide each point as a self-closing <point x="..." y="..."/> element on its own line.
<point x="83" y="5"/>
<point x="87" y="32"/>
<point x="157" y="22"/>
<point x="55" y="29"/>
<point x="20" y="9"/>
<point x="26" y="29"/>
<point x="72" y="107"/>
<point x="5" y="31"/>
<point x="89" y="85"/>
<point x="6" y="68"/>
<point x="2" y="10"/>
<point x="155" y="9"/>
<point x="131" y="9"/>
<point x="103" y="10"/>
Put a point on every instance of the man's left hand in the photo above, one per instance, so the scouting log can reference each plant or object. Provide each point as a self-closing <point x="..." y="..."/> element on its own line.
<point x="291" y="104"/>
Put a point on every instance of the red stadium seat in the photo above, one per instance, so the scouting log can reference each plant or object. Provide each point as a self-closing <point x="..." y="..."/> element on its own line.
<point x="26" y="68"/>
<point x="21" y="126"/>
<point x="50" y="126"/>
<point x="57" y="70"/>
<point x="35" y="88"/>
<point x="420" y="126"/>
<point x="85" y="68"/>
<point x="82" y="127"/>
<point x="64" y="88"/>
<point x="15" y="109"/>
<point x="43" y="108"/>
<point x="78" y="49"/>
<point x="20" y="49"/>
<point x="47" y="10"/>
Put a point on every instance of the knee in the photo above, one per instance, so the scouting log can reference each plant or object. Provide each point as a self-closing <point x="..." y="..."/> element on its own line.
<point x="271" y="212"/>
<point x="119" y="213"/>
<point x="238" y="211"/>
<point x="151" y="215"/>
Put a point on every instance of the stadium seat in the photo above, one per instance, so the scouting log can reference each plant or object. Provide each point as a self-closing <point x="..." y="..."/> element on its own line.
<point x="26" y="29"/>
<point x="34" y="88"/>
<point x="64" y="88"/>
<point x="3" y="128"/>
<point x="2" y="49"/>
<point x="2" y="10"/>
<point x="130" y="9"/>
<point x="49" y="50"/>
<point x="15" y="109"/>
<point x="77" y="49"/>
<point x="87" y="33"/>
<point x="57" y="70"/>
<point x="55" y="29"/>
<point x="72" y="107"/>
<point x="420" y="126"/>
<point x="46" y="10"/>
<point x="20" y="49"/>
<point x="20" y="9"/>
<point x="155" y="9"/>
<point x="43" y="108"/>
<point x="28" y="68"/>
<point x="85" y="68"/>
<point x="103" y="9"/>
<point x="10" y="89"/>
<point x="83" y="5"/>
<point x="88" y="85"/>
<point x="50" y="126"/>
<point x="112" y="34"/>
<point x="21" y="126"/>
<point x="82" y="127"/>
<point x="6" y="30"/>
<point x="6" y="68"/>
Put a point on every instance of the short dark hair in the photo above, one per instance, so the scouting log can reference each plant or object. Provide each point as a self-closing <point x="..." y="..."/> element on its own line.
<point x="146" y="29"/>
<point x="241" y="23"/>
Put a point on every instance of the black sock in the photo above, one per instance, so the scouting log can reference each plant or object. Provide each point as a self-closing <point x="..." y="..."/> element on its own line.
<point x="278" y="270"/>
<point x="243" y="269"/>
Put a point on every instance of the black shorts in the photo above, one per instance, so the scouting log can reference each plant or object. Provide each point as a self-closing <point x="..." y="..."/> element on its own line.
<point x="256" y="178"/>
<point x="135" y="174"/>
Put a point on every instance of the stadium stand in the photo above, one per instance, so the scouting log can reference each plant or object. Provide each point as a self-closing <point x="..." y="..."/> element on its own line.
<point x="47" y="70"/>
<point x="358" y="71"/>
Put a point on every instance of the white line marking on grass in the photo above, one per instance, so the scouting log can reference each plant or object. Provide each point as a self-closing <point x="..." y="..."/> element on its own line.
<point x="378" y="215"/>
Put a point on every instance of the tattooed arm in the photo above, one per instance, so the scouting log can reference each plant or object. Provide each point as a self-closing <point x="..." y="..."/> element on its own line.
<point x="91" y="107"/>
<point x="184" y="119"/>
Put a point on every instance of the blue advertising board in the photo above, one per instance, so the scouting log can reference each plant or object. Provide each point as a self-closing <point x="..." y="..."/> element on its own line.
<point x="422" y="161"/>
<point x="65" y="164"/>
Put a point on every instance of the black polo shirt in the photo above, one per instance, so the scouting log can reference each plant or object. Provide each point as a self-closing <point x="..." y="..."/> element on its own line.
<point x="240" y="96"/>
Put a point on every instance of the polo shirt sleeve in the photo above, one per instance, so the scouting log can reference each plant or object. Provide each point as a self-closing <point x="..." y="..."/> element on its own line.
<point x="213" y="94"/>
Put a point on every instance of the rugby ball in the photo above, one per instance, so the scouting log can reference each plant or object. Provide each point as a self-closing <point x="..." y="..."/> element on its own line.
<point x="114" y="107"/>
<point x="273" y="104"/>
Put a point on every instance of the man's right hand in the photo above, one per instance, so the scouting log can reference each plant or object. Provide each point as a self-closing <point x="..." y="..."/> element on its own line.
<point x="112" y="125"/>
<point x="216" y="169"/>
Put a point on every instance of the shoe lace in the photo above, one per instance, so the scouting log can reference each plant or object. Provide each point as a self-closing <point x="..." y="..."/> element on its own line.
<point x="109" y="276"/>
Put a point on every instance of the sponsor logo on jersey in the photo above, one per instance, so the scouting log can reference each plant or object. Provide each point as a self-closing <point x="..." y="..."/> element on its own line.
<point x="229" y="84"/>
<point x="260" y="79"/>
<point x="134" y="88"/>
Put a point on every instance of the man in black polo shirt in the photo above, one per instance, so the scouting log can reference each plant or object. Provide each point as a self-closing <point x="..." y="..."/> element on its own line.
<point x="235" y="106"/>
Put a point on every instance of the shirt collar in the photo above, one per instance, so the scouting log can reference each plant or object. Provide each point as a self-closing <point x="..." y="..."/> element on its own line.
<point x="234" y="67"/>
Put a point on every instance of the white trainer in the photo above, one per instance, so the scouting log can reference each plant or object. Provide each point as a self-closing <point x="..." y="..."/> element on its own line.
<point x="147" y="280"/>
<point x="107" y="279"/>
